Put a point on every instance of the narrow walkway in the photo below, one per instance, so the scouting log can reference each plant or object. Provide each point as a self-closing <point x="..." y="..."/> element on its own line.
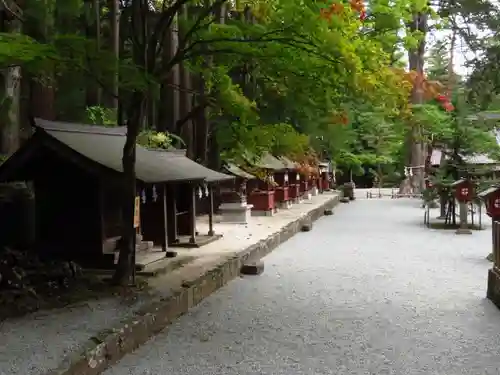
<point x="368" y="291"/>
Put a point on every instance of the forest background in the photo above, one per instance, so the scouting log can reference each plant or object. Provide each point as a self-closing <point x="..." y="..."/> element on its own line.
<point x="367" y="86"/>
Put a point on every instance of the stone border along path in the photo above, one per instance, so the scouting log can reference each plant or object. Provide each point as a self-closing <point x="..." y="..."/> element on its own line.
<point x="134" y="325"/>
<point x="154" y="317"/>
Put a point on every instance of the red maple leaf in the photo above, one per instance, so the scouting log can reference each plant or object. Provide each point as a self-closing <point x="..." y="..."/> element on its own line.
<point x="448" y="107"/>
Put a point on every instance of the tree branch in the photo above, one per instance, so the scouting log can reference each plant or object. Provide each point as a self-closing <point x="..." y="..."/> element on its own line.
<point x="196" y="26"/>
<point x="193" y="113"/>
<point x="165" y="21"/>
<point x="14" y="10"/>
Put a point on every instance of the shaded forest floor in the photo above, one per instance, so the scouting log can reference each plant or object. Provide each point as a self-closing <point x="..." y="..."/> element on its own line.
<point x="29" y="284"/>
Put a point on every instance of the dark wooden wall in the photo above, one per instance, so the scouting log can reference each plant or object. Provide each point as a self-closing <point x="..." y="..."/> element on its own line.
<point x="68" y="221"/>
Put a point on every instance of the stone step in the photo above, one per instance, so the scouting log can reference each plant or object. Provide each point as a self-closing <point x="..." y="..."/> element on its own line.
<point x="144" y="246"/>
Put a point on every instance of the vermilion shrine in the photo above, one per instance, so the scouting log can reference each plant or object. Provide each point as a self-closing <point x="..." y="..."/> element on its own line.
<point x="491" y="198"/>
<point x="262" y="191"/>
<point x="293" y="180"/>
<point x="464" y="191"/>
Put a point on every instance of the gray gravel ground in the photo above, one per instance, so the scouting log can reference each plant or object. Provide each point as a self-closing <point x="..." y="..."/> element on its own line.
<point x="39" y="343"/>
<point x="368" y="291"/>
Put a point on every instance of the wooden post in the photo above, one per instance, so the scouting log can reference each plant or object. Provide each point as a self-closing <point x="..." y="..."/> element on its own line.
<point x="495" y="231"/>
<point x="192" y="213"/>
<point x="442" y="206"/>
<point x="164" y="238"/>
<point x="493" y="254"/>
<point x="137" y="226"/>
<point x="173" y="200"/>
<point x="480" y="214"/>
<point x="211" y="211"/>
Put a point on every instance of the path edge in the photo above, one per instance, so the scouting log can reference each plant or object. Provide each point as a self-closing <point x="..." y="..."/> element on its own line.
<point x="114" y="344"/>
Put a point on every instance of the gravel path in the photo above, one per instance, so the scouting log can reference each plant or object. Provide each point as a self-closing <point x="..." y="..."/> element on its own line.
<point x="38" y="343"/>
<point x="368" y="291"/>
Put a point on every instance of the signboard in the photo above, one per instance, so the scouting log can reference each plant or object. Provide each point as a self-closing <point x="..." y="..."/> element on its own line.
<point x="137" y="212"/>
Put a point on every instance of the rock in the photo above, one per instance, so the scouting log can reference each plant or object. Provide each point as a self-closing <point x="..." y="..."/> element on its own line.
<point x="328" y="212"/>
<point x="255" y="268"/>
<point x="306" y="227"/>
<point x="463" y="231"/>
<point x="490" y="257"/>
<point x="170" y="254"/>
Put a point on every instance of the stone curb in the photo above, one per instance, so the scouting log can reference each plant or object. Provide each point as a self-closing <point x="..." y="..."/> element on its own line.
<point x="113" y="344"/>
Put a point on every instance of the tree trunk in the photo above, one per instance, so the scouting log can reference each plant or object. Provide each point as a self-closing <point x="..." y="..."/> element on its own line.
<point x="168" y="110"/>
<point x="135" y="118"/>
<point x="122" y="51"/>
<point x="186" y="98"/>
<point x="201" y="126"/>
<point x="10" y="87"/>
<point x="93" y="31"/>
<point x="125" y="264"/>
<point x="42" y="91"/>
<point x="114" y="42"/>
<point x="69" y="99"/>
<point x="214" y="158"/>
<point x="416" y="147"/>
<point x="10" y="130"/>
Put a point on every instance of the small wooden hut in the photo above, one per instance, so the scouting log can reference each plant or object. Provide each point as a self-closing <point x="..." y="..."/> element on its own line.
<point x="325" y="176"/>
<point x="233" y="194"/>
<point x="292" y="179"/>
<point x="262" y="191"/>
<point x="76" y="174"/>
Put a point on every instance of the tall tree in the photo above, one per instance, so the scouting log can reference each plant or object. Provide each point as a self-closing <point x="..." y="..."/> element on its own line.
<point x="10" y="85"/>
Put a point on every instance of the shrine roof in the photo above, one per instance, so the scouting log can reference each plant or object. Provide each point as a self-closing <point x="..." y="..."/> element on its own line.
<point x="458" y="182"/>
<point x="488" y="191"/>
<point x="83" y="128"/>
<point x="104" y="146"/>
<point x="238" y="172"/>
<point x="268" y="161"/>
<point x="289" y="164"/>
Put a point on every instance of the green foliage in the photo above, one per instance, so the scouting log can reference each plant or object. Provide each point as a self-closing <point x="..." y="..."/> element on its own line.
<point x="463" y="140"/>
<point x="484" y="82"/>
<point x="19" y="49"/>
<point x="277" y="84"/>
<point x="158" y="140"/>
<point x="434" y="122"/>
<point x="99" y="115"/>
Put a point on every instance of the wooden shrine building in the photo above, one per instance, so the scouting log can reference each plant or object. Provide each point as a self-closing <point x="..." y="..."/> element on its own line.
<point x="293" y="178"/>
<point x="261" y="192"/>
<point x="75" y="171"/>
<point x="233" y="195"/>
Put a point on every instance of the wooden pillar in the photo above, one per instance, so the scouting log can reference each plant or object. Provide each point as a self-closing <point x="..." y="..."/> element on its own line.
<point x="173" y="199"/>
<point x="192" y="213"/>
<point x="493" y="251"/>
<point x="163" y="197"/>
<point x="102" y="224"/>
<point x="495" y="231"/>
<point x="211" y="211"/>
<point x="442" y="205"/>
